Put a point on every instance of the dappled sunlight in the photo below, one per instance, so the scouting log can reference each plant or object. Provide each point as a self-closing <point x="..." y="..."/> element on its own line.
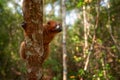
<point x="87" y="48"/>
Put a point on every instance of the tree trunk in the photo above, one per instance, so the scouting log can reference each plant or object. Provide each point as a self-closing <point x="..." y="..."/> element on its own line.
<point x="64" y="41"/>
<point x="33" y="19"/>
<point x="86" y="27"/>
<point x="85" y="50"/>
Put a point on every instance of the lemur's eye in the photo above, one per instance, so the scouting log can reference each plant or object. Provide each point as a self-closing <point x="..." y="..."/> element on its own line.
<point x="48" y="23"/>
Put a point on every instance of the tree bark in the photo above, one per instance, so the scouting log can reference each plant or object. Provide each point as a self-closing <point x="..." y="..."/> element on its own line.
<point x="85" y="50"/>
<point x="33" y="19"/>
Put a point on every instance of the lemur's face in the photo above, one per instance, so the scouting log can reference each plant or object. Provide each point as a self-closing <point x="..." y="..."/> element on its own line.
<point x="53" y="26"/>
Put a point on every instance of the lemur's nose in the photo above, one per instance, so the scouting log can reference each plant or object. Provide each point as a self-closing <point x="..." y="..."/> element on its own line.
<point x="58" y="28"/>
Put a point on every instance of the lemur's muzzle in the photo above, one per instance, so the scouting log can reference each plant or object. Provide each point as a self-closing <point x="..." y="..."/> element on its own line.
<point x="58" y="28"/>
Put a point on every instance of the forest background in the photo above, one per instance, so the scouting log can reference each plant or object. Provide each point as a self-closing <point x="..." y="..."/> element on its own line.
<point x="92" y="40"/>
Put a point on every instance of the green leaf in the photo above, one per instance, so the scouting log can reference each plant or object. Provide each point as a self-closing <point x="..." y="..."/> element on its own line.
<point x="113" y="47"/>
<point x="81" y="72"/>
<point x="81" y="2"/>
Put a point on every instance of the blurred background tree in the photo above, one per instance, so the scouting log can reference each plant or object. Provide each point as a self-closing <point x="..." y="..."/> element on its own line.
<point x="102" y="54"/>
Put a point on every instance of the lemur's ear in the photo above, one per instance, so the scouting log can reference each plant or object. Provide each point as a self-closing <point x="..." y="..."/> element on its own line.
<point x="23" y="24"/>
<point x="48" y="22"/>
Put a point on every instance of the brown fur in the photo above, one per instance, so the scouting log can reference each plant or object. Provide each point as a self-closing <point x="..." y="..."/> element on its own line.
<point x="49" y="32"/>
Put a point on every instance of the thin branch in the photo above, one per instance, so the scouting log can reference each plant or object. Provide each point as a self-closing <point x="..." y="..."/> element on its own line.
<point x="94" y="36"/>
<point x="110" y="29"/>
<point x="104" y="69"/>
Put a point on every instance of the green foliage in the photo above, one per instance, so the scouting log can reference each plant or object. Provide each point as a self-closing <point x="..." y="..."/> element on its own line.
<point x="81" y="2"/>
<point x="10" y="38"/>
<point x="104" y="49"/>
